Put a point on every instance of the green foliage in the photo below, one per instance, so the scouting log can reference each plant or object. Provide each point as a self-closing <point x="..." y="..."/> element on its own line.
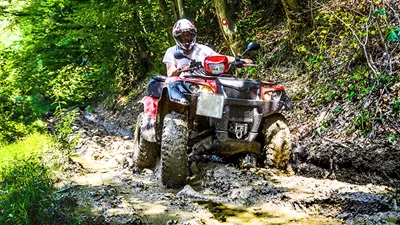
<point x="363" y="122"/>
<point x="381" y="12"/>
<point x="342" y="53"/>
<point x="396" y="106"/>
<point x="63" y="127"/>
<point x="253" y="23"/>
<point x="74" y="52"/>
<point x="34" y="143"/>
<point x="26" y="193"/>
<point x="346" y="87"/>
<point x="341" y="39"/>
<point x="393" y="138"/>
<point x="393" y="35"/>
<point x="21" y="114"/>
<point x="253" y="20"/>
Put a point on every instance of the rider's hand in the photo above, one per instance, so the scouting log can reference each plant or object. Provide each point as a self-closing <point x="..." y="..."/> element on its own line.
<point x="248" y="61"/>
<point x="183" y="68"/>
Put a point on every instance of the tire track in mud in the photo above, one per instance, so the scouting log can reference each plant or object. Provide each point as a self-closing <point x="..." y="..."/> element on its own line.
<point x="102" y="189"/>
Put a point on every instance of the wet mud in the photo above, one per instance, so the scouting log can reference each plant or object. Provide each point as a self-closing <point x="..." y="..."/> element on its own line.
<point x="101" y="187"/>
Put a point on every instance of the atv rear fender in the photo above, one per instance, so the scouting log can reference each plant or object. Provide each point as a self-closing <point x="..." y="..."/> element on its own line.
<point x="148" y="118"/>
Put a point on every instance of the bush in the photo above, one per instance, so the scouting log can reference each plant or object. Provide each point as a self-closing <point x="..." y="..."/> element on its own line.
<point x="27" y="193"/>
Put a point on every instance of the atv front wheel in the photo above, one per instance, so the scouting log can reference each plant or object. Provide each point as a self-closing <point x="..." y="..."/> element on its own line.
<point x="145" y="152"/>
<point x="174" y="158"/>
<point x="277" y="144"/>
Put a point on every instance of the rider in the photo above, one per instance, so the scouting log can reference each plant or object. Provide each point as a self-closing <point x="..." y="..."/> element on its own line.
<point x="185" y="33"/>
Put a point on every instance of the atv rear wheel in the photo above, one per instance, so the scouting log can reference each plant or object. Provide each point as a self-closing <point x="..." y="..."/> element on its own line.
<point x="145" y="152"/>
<point x="277" y="144"/>
<point x="174" y="158"/>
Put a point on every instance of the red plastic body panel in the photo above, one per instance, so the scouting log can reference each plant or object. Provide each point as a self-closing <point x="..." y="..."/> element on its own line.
<point x="215" y="60"/>
<point x="151" y="103"/>
<point x="270" y="88"/>
<point x="150" y="106"/>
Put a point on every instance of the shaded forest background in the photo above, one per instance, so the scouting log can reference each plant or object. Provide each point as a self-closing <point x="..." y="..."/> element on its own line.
<point x="337" y="56"/>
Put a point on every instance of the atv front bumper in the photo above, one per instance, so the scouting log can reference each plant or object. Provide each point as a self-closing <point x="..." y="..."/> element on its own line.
<point x="250" y="112"/>
<point x="241" y="123"/>
<point x="243" y="114"/>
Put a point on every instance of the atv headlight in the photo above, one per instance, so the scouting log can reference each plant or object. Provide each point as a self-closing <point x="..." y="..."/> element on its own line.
<point x="198" y="88"/>
<point x="270" y="95"/>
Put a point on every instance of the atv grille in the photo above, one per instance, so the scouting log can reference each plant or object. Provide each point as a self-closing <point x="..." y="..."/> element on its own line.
<point x="238" y="113"/>
<point x="233" y="93"/>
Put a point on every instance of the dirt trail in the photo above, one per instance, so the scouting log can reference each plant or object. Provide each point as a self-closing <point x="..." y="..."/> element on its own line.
<point x="102" y="189"/>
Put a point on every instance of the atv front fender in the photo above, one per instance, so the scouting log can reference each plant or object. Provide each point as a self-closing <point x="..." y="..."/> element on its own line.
<point x="175" y="93"/>
<point x="172" y="100"/>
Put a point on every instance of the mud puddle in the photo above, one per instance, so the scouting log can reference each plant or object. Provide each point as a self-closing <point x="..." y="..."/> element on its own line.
<point x="260" y="215"/>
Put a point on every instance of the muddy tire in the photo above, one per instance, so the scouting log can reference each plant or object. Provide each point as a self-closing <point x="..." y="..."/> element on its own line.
<point x="174" y="158"/>
<point x="277" y="144"/>
<point x="145" y="153"/>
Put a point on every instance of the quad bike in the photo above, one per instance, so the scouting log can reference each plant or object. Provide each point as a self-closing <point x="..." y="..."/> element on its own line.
<point x="211" y="112"/>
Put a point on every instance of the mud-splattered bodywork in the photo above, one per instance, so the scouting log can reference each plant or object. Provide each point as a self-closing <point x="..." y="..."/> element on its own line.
<point x="235" y="129"/>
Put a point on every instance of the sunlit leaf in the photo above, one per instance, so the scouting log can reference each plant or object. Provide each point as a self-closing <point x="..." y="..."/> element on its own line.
<point x="381" y="12"/>
<point x="393" y="35"/>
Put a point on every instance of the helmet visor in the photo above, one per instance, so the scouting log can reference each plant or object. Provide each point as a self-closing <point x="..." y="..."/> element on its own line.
<point x="186" y="37"/>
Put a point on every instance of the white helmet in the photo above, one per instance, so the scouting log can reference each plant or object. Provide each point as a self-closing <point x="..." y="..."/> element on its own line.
<point x="180" y="27"/>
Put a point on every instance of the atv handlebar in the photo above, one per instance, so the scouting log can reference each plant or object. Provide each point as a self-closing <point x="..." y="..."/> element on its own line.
<point x="238" y="62"/>
<point x="197" y="65"/>
<point x="193" y="66"/>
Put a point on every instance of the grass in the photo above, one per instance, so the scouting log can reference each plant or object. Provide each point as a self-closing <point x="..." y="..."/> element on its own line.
<point x="27" y="194"/>
<point x="34" y="144"/>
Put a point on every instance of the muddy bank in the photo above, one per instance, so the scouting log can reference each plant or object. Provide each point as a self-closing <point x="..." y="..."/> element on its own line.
<point x="375" y="163"/>
<point x="119" y="116"/>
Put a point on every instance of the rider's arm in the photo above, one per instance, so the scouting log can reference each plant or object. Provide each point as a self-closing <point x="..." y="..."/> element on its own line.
<point x="170" y="62"/>
<point x="172" y="71"/>
<point x="211" y="52"/>
<point x="231" y="59"/>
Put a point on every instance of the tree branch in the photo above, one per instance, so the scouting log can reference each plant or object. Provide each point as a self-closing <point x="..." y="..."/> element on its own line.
<point x="363" y="44"/>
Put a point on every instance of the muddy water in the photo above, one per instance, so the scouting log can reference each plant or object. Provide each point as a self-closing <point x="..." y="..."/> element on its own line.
<point x="102" y="189"/>
<point x="261" y="214"/>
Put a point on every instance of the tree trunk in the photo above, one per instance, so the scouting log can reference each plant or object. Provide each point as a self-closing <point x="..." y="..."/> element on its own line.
<point x="144" y="50"/>
<point x="179" y="8"/>
<point x="167" y="20"/>
<point x="228" y="30"/>
<point x="297" y="16"/>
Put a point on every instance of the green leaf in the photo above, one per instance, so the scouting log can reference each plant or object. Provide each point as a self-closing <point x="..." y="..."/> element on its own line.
<point x="250" y="69"/>
<point x="381" y="12"/>
<point x="393" y="138"/>
<point x="392" y="35"/>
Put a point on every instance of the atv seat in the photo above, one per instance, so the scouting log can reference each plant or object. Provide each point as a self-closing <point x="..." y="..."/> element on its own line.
<point x="154" y="88"/>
